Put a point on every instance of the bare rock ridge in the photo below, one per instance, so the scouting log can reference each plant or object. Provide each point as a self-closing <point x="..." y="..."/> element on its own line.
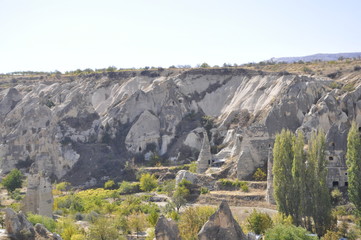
<point x="19" y="228"/>
<point x="221" y="225"/>
<point x="86" y="129"/>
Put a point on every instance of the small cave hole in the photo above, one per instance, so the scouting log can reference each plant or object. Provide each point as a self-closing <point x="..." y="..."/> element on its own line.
<point x="330" y="158"/>
<point x="346" y="184"/>
<point x="335" y="184"/>
<point x="140" y="149"/>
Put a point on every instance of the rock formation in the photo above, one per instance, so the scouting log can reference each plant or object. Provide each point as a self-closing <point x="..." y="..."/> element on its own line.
<point x="269" y="191"/>
<point x="39" y="197"/>
<point x="221" y="225"/>
<point x="205" y="157"/>
<point x="196" y="179"/>
<point x="19" y="228"/>
<point x="166" y="229"/>
<point x="83" y="128"/>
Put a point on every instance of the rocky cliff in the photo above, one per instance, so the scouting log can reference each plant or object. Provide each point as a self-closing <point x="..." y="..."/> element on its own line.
<point x="85" y="128"/>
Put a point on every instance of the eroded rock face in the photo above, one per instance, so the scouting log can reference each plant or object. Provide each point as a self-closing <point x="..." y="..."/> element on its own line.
<point x="19" y="228"/>
<point x="88" y="127"/>
<point x="39" y="196"/>
<point x="221" y="225"/>
<point x="166" y="229"/>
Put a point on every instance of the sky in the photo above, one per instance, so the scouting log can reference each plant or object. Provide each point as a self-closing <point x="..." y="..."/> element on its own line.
<point x="49" y="35"/>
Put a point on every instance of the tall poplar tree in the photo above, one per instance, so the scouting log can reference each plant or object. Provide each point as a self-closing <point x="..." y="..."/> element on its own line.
<point x="353" y="162"/>
<point x="319" y="192"/>
<point x="282" y="171"/>
<point x="299" y="178"/>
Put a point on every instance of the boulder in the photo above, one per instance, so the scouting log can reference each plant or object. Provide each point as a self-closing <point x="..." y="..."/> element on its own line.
<point x="221" y="225"/>
<point x="19" y="228"/>
<point x="184" y="174"/>
<point x="166" y="229"/>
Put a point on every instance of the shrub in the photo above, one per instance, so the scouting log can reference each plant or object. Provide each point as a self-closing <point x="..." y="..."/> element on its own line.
<point x="193" y="167"/>
<point x="78" y="236"/>
<point x="148" y="182"/>
<point x="49" y="223"/>
<point x="349" y="87"/>
<point x="259" y="222"/>
<point x="16" y="195"/>
<point x="167" y="187"/>
<point x="129" y="188"/>
<point x="331" y="235"/>
<point x="110" y="184"/>
<point x="204" y="190"/>
<point x="286" y="232"/>
<point x="13" y="180"/>
<point x="62" y="186"/>
<point x="192" y="220"/>
<point x="235" y="184"/>
<point x="260" y="175"/>
<point x="152" y="218"/>
<point x="336" y="196"/>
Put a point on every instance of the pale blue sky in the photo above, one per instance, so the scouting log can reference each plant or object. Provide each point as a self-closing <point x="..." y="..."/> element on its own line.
<point x="69" y="34"/>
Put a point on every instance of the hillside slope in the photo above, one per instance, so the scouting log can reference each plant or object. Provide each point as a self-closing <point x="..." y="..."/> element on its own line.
<point x="84" y="129"/>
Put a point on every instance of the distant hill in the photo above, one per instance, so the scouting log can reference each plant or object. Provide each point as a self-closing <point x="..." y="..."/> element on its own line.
<point x="320" y="56"/>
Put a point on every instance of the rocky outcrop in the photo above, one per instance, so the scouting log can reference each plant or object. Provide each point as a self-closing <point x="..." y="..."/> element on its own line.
<point x="196" y="179"/>
<point x="166" y="229"/>
<point x="19" y="228"/>
<point x="221" y="225"/>
<point x="39" y="196"/>
<point x="205" y="156"/>
<point x="269" y="191"/>
<point x="85" y="128"/>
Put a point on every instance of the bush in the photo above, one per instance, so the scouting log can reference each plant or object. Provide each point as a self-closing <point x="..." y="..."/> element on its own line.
<point x="234" y="184"/>
<point x="13" y="180"/>
<point x="148" y="182"/>
<point x="193" y="167"/>
<point x="110" y="184"/>
<point x="336" y="196"/>
<point x="259" y="222"/>
<point x="192" y="220"/>
<point x="49" y="223"/>
<point x="260" y="175"/>
<point x="62" y="186"/>
<point x="204" y="190"/>
<point x="286" y="232"/>
<point x="167" y="187"/>
<point x="129" y="188"/>
<point x="16" y="195"/>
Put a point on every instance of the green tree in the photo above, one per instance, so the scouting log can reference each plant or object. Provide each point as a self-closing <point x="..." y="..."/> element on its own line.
<point x="103" y="229"/>
<point x="148" y="182"/>
<point x="353" y="162"/>
<point x="319" y="192"/>
<point x="282" y="171"/>
<point x="204" y="65"/>
<point x="192" y="220"/>
<point x="13" y="180"/>
<point x="288" y="232"/>
<point x="137" y="222"/>
<point x="179" y="196"/>
<point x="299" y="179"/>
<point x="258" y="222"/>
